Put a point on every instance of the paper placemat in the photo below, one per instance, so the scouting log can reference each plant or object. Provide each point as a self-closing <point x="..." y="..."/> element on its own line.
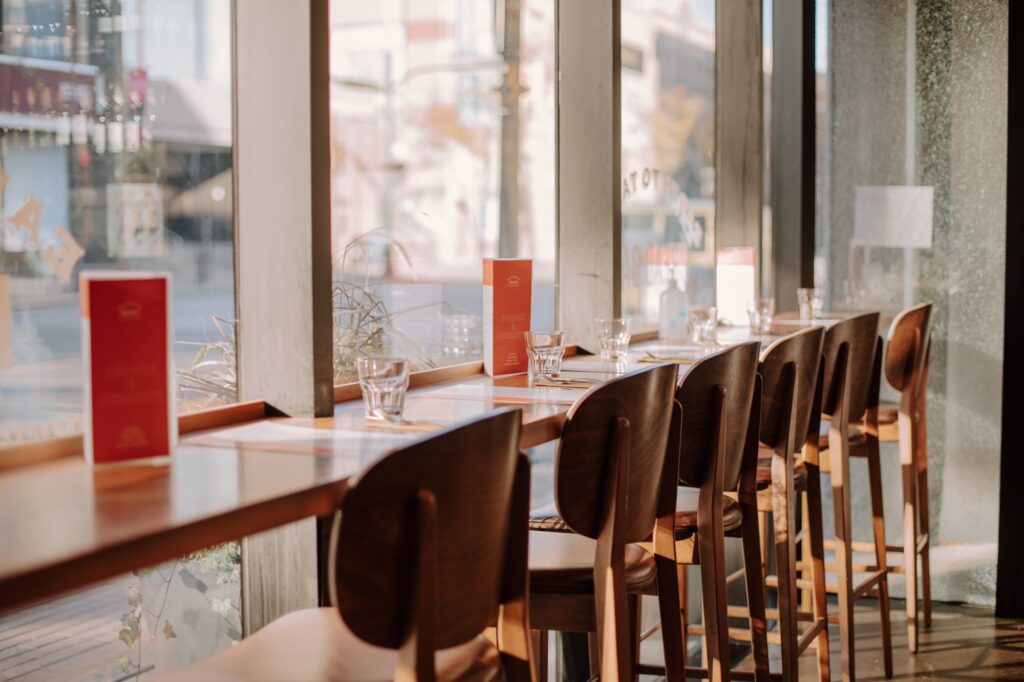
<point x="279" y="437"/>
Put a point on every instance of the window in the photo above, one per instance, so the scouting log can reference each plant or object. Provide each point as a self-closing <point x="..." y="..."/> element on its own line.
<point x="912" y="140"/>
<point x="668" y="153"/>
<point x="443" y="125"/>
<point x="115" y="153"/>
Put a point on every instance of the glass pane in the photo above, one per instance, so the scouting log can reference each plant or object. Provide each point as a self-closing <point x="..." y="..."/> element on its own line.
<point x="443" y="120"/>
<point x="115" y="153"/>
<point x="915" y="113"/>
<point x="668" y="153"/>
<point x="158" y="618"/>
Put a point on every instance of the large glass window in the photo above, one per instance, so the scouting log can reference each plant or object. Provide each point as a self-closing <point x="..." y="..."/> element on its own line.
<point x="912" y="135"/>
<point x="115" y="153"/>
<point x="668" y="153"/>
<point x="443" y="125"/>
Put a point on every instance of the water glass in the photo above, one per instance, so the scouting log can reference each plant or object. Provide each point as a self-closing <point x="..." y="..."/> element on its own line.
<point x="545" y="351"/>
<point x="704" y="325"/>
<point x="811" y="302"/>
<point x="613" y="338"/>
<point x="761" y="313"/>
<point x="384" y="382"/>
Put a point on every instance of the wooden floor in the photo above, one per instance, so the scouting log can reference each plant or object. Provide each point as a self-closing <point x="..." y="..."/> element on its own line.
<point x="964" y="643"/>
<point x="75" y="638"/>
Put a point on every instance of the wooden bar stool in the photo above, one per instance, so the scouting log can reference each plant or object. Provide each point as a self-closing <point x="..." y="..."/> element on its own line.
<point x="611" y="480"/>
<point x="790" y="371"/>
<point x="428" y="551"/>
<point x="717" y="453"/>
<point x="848" y="382"/>
<point x="906" y="370"/>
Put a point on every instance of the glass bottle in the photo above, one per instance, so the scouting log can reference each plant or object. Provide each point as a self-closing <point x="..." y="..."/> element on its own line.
<point x="672" y="313"/>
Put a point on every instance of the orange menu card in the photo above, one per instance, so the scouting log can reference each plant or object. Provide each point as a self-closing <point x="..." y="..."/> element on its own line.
<point x="126" y="356"/>
<point x="508" y="290"/>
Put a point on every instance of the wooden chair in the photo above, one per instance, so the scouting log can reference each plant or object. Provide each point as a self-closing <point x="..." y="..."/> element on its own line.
<point x="790" y="371"/>
<point x="610" y="483"/>
<point x="428" y="551"/>
<point x="848" y="382"/>
<point x="717" y="444"/>
<point x="905" y="366"/>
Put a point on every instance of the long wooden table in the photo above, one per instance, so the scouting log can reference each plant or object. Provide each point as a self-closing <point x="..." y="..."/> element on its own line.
<point x="65" y="525"/>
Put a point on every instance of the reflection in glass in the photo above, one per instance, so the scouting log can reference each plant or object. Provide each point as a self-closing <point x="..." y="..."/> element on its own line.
<point x="115" y="153"/>
<point x="443" y="125"/>
<point x="668" y="183"/>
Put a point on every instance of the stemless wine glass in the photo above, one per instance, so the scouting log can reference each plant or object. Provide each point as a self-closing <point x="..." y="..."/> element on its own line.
<point x="811" y="301"/>
<point x="761" y="313"/>
<point x="613" y="338"/>
<point x="704" y="326"/>
<point x="545" y="351"/>
<point x="383" y="381"/>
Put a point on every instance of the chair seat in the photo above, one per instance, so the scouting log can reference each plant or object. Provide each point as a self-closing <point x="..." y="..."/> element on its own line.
<point x="764" y="470"/>
<point x="857" y="438"/>
<point x="547" y="518"/>
<point x="686" y="512"/>
<point x="314" y="645"/>
<point x="563" y="563"/>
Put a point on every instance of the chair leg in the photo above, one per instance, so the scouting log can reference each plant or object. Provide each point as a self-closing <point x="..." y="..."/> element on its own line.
<point x="755" y="593"/>
<point x="815" y="544"/>
<point x="844" y="560"/>
<point x="716" y="621"/>
<point x="784" y="517"/>
<point x="634" y="635"/>
<point x="908" y="465"/>
<point x="922" y="515"/>
<point x="540" y="646"/>
<point x="670" y="610"/>
<point x="682" y="577"/>
<point x="878" y="523"/>
<point x="806" y="594"/>
<point x="926" y="569"/>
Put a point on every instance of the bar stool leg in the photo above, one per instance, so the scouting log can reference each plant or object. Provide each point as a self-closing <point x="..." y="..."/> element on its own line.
<point x="784" y="516"/>
<point x="754" y="576"/>
<point x="878" y="519"/>
<point x="922" y="515"/>
<point x="815" y="543"/>
<point x="910" y="511"/>
<point x="840" y="468"/>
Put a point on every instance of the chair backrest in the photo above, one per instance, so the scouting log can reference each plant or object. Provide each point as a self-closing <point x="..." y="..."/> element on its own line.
<point x="907" y="347"/>
<point x="859" y="335"/>
<point x="644" y="398"/>
<point x="382" y="532"/>
<point x="733" y="370"/>
<point x="797" y="355"/>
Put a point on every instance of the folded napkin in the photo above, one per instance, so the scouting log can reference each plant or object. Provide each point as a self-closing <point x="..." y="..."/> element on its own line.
<point x="404" y="426"/>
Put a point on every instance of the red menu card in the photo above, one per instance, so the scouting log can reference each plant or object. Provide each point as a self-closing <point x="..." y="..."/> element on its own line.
<point x="508" y="290"/>
<point x="126" y="355"/>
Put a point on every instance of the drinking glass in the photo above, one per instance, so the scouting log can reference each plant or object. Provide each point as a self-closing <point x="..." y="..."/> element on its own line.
<point x="703" y="325"/>
<point x="383" y="381"/>
<point x="613" y="338"/>
<point x="545" y="351"/>
<point x="811" y="301"/>
<point x="761" y="313"/>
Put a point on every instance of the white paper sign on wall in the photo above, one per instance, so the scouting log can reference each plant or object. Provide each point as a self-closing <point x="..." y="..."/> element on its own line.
<point x="895" y="216"/>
